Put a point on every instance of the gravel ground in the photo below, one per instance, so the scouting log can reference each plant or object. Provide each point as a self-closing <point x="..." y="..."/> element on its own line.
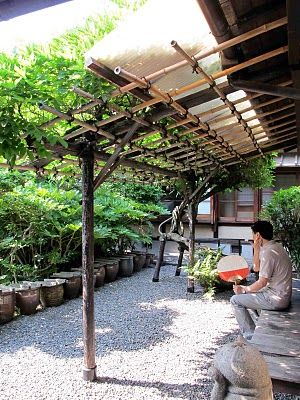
<point x="154" y="341"/>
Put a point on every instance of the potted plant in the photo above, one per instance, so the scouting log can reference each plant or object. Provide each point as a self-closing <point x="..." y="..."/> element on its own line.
<point x="204" y="270"/>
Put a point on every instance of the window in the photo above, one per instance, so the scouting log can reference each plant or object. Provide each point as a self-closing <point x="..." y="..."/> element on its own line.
<point x="237" y="206"/>
<point x="245" y="204"/>
<point x="204" y="207"/>
<point x="227" y="205"/>
<point x="282" y="181"/>
<point x="204" y="210"/>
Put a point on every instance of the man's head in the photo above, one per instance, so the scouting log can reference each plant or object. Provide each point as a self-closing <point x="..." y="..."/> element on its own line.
<point x="264" y="228"/>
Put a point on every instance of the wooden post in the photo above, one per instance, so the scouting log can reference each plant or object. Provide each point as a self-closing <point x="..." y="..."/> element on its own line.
<point x="160" y="258"/>
<point x="89" y="368"/>
<point x="192" y="213"/>
<point x="180" y="258"/>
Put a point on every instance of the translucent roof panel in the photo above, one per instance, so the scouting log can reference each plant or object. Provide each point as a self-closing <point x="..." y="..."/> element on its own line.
<point x="142" y="43"/>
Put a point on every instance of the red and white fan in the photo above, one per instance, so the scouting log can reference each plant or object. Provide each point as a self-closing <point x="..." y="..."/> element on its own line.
<point x="233" y="268"/>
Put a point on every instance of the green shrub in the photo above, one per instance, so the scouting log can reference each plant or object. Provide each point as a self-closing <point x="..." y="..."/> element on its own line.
<point x="283" y="211"/>
<point x="204" y="270"/>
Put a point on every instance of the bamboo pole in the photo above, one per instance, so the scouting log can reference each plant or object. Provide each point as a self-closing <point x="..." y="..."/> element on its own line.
<point x="213" y="85"/>
<point x="216" y="75"/>
<point x="231" y="70"/>
<point x="214" y="110"/>
<point x="270" y="136"/>
<point x="199" y="56"/>
<point x="229" y="128"/>
<point x="79" y="110"/>
<point x="266" y="132"/>
<point x="87" y="126"/>
<point x="167" y="99"/>
<point x="256" y="116"/>
<point x="268" y="143"/>
<point x="108" y="168"/>
<point x="243" y="99"/>
<point x="263" y="127"/>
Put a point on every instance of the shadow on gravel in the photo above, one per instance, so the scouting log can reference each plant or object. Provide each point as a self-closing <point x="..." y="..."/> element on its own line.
<point x="129" y="315"/>
<point x="182" y="391"/>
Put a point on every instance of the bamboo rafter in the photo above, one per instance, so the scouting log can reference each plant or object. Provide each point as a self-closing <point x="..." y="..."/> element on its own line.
<point x="201" y="55"/>
<point x="212" y="83"/>
<point x="166" y="98"/>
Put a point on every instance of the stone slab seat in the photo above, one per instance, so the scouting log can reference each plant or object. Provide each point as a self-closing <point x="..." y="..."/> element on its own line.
<point x="277" y="336"/>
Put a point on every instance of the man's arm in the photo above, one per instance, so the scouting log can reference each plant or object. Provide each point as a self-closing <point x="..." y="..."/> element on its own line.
<point x="255" y="287"/>
<point x="256" y="251"/>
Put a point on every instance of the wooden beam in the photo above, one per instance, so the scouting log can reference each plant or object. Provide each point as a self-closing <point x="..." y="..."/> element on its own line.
<point x="111" y="163"/>
<point x="265" y="88"/>
<point x="88" y="318"/>
<point x="293" y="14"/>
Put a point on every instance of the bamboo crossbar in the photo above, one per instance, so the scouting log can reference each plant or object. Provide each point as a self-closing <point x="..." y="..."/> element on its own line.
<point x="256" y="116"/>
<point x="210" y="112"/>
<point x="201" y="55"/>
<point x="212" y="83"/>
<point x="265" y="129"/>
<point x="272" y="135"/>
<point x="146" y="80"/>
<point x="244" y="110"/>
<point x="89" y="127"/>
<point x="168" y="100"/>
<point x="274" y="140"/>
<point x="229" y="128"/>
<point x="79" y="110"/>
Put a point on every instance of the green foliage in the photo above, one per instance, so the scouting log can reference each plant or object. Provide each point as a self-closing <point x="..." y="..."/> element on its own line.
<point x="134" y="5"/>
<point x="257" y="173"/>
<point x="40" y="229"/>
<point x="204" y="270"/>
<point x="41" y="224"/>
<point x="120" y="220"/>
<point x="283" y="211"/>
<point x="46" y="73"/>
<point x="143" y="193"/>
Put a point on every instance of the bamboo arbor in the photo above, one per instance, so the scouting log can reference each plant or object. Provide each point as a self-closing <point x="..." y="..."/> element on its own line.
<point x="152" y="132"/>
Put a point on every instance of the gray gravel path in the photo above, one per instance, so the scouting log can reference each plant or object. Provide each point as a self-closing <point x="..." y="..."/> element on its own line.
<point x="154" y="341"/>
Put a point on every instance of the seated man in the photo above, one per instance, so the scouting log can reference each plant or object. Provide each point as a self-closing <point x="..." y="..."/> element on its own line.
<point x="273" y="289"/>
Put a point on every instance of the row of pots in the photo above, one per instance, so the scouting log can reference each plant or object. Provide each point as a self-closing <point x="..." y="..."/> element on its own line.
<point x="27" y="296"/>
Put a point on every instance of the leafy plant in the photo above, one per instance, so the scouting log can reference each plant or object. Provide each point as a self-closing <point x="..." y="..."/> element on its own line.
<point x="283" y="211"/>
<point x="204" y="269"/>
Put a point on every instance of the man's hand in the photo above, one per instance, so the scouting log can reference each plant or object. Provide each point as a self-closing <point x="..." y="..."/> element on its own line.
<point x="239" y="289"/>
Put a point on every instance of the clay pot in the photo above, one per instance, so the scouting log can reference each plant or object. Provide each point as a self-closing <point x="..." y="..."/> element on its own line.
<point x="52" y="292"/>
<point x="27" y="299"/>
<point x="111" y="268"/>
<point x="111" y="271"/>
<point x="139" y="260"/>
<point x="99" y="270"/>
<point x="7" y="305"/>
<point x="126" y="265"/>
<point x="72" y="285"/>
